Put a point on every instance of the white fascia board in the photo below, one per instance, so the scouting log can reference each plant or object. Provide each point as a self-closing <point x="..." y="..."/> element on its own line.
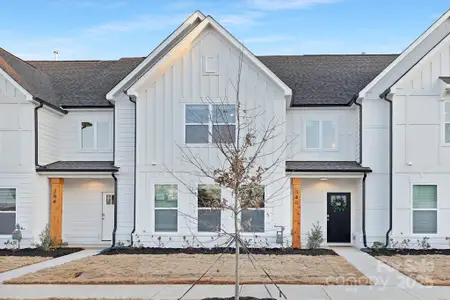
<point x="328" y="175"/>
<point x="196" y="15"/>
<point x="28" y="96"/>
<point x="405" y="53"/>
<point x="194" y="34"/>
<point x="82" y="175"/>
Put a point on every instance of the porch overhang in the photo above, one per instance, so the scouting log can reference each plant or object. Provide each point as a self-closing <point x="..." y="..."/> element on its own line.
<point x="445" y="86"/>
<point x="317" y="169"/>
<point x="79" y="168"/>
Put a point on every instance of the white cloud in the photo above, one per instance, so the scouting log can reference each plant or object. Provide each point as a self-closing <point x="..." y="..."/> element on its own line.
<point x="142" y="23"/>
<point x="286" y="4"/>
<point x="267" y="39"/>
<point x="250" y="18"/>
<point x="92" y="3"/>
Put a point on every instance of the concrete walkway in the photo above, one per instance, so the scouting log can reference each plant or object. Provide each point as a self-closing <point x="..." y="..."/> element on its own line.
<point x="377" y="271"/>
<point x="46" y="264"/>
<point x="173" y="292"/>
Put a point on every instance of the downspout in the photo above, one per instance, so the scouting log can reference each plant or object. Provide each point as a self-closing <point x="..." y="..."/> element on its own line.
<point x="391" y="122"/>
<point x="133" y="100"/>
<point x="115" y="210"/>
<point x="363" y="192"/>
<point x="36" y="134"/>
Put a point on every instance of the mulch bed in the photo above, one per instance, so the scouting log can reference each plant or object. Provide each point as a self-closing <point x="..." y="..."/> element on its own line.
<point x="39" y="252"/>
<point x="392" y="252"/>
<point x="240" y="298"/>
<point x="256" y="251"/>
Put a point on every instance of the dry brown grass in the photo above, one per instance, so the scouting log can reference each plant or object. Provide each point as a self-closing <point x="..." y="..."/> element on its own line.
<point x="186" y="269"/>
<point x="426" y="269"/>
<point x="8" y="263"/>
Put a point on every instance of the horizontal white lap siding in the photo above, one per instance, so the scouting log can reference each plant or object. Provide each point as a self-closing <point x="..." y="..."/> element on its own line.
<point x="82" y="209"/>
<point x="70" y="135"/>
<point x="346" y="120"/>
<point x="124" y="159"/>
<point x="49" y="140"/>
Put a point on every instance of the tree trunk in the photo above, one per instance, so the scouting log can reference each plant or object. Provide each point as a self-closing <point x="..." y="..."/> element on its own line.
<point x="236" y="236"/>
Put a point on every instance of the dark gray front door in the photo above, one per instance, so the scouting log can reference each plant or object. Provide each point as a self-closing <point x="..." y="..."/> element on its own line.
<point x="338" y="218"/>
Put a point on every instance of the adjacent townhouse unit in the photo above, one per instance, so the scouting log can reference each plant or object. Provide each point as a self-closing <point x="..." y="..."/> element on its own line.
<point x="95" y="148"/>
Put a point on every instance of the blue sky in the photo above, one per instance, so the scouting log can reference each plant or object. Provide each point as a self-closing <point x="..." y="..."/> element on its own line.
<point x="110" y="29"/>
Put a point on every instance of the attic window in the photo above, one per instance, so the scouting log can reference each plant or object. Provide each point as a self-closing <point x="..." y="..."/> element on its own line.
<point x="210" y="65"/>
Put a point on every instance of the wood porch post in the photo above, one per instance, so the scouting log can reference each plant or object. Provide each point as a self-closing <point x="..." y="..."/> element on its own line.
<point x="296" y="208"/>
<point x="57" y="185"/>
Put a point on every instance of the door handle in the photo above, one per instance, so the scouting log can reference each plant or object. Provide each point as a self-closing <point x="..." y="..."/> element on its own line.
<point x="328" y="217"/>
<point x="103" y="216"/>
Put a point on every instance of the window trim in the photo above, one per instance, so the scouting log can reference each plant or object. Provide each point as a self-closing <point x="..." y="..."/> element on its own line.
<point x="4" y="212"/>
<point x="209" y="209"/>
<point x="210" y="124"/>
<point x="165" y="208"/>
<point x="95" y="148"/>
<point x="443" y="122"/>
<point x="320" y="148"/>
<point x="412" y="209"/>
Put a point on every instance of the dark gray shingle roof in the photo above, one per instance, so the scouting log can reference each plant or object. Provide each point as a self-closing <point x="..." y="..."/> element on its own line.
<point x="326" y="79"/>
<point x="33" y="80"/>
<point x="314" y="79"/>
<point x="445" y="79"/>
<point x="86" y="83"/>
<point x="325" y="166"/>
<point x="79" y="166"/>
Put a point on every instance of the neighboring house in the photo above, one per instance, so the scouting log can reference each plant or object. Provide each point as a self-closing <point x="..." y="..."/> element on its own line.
<point x="85" y="145"/>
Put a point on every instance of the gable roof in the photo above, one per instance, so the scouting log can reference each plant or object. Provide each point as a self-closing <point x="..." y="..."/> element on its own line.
<point x="326" y="79"/>
<point x="314" y="79"/>
<point x="192" y="34"/>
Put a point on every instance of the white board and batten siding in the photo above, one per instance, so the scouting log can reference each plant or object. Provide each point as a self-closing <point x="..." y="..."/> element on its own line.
<point x="50" y="123"/>
<point x="420" y="154"/>
<point x="17" y="154"/>
<point x="182" y="80"/>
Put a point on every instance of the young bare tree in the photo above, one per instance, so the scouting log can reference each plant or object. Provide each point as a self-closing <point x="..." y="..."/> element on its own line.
<point x="250" y="147"/>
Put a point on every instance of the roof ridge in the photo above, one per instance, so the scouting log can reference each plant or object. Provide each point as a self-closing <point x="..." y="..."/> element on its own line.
<point x="74" y="60"/>
<point x="331" y="54"/>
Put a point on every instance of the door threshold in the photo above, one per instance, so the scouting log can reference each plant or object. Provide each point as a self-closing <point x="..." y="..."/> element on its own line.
<point x="339" y="244"/>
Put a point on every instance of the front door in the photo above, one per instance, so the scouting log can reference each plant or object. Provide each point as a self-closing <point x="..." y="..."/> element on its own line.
<point x="338" y="218"/>
<point x="108" y="216"/>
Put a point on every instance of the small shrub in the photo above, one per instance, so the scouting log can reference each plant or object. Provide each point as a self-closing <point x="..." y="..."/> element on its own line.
<point x="315" y="237"/>
<point x="12" y="245"/>
<point x="377" y="245"/>
<point x="46" y="242"/>
<point x="424" y="244"/>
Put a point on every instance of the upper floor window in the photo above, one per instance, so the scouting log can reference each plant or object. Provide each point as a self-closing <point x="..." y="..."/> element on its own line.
<point x="447" y="122"/>
<point x="320" y="135"/>
<point x="96" y="135"/>
<point x="210" y="123"/>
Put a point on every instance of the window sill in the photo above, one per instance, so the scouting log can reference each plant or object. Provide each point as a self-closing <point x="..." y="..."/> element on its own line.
<point x="95" y="150"/>
<point x="320" y="150"/>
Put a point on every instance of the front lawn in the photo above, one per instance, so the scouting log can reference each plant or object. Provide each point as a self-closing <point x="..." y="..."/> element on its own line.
<point x="183" y="268"/>
<point x="13" y="259"/>
<point x="427" y="266"/>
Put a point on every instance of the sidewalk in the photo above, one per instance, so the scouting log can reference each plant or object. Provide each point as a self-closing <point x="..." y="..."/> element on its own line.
<point x="377" y="271"/>
<point x="46" y="264"/>
<point x="173" y="292"/>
